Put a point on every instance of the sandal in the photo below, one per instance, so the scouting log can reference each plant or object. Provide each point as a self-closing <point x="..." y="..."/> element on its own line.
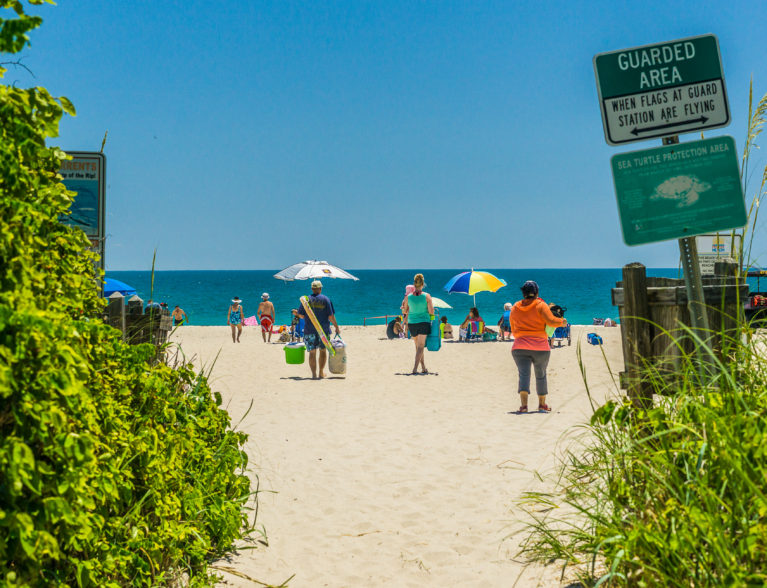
<point x="522" y="409"/>
<point x="544" y="408"/>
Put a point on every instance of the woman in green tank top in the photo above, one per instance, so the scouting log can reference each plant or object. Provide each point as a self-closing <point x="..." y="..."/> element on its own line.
<point x="420" y="313"/>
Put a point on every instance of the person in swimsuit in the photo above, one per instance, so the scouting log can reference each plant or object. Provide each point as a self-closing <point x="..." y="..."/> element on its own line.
<point x="234" y="318"/>
<point x="179" y="316"/>
<point x="398" y="329"/>
<point x="266" y="316"/>
<point x="445" y="329"/>
<point x="420" y="312"/>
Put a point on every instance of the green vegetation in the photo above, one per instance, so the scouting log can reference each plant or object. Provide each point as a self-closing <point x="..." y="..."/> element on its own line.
<point x="674" y="495"/>
<point x="114" y="470"/>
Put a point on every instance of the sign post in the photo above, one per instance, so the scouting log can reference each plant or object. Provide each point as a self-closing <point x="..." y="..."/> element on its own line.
<point x="661" y="90"/>
<point x="674" y="191"/>
<point x="696" y="300"/>
<point x="85" y="174"/>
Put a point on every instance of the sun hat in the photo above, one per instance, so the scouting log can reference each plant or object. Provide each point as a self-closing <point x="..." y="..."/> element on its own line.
<point x="507" y="306"/>
<point x="409" y="289"/>
<point x="529" y="289"/>
<point x="236" y="299"/>
<point x="316" y="284"/>
<point x="265" y="295"/>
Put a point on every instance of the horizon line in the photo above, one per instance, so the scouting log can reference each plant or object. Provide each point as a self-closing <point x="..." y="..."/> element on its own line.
<point x="383" y="269"/>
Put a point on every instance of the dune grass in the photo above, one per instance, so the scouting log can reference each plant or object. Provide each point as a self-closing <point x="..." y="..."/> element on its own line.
<point x="674" y="494"/>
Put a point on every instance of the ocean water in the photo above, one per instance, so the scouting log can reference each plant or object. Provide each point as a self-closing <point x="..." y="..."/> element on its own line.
<point x="205" y="295"/>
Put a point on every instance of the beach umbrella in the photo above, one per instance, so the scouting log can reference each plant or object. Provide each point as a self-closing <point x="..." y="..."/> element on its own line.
<point x="111" y="286"/>
<point x="474" y="281"/>
<point x="439" y="303"/>
<point x="313" y="270"/>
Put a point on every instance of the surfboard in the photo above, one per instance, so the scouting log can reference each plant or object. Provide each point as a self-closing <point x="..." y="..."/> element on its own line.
<point x="313" y="318"/>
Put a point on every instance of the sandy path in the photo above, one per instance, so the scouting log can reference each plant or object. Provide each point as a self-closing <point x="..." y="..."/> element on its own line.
<point x="383" y="479"/>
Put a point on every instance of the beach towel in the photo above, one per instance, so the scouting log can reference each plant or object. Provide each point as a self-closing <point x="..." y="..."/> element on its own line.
<point x="251" y="321"/>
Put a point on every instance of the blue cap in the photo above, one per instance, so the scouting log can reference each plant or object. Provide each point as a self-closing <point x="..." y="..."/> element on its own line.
<point x="529" y="289"/>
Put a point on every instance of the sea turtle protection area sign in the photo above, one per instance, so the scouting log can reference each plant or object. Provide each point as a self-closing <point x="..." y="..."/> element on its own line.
<point x="679" y="191"/>
<point x="85" y="174"/>
<point x="661" y="90"/>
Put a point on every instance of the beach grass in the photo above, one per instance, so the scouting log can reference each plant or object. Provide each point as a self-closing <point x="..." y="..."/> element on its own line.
<point x="674" y="495"/>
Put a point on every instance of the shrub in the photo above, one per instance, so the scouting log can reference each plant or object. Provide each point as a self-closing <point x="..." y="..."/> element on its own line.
<point x="114" y="470"/>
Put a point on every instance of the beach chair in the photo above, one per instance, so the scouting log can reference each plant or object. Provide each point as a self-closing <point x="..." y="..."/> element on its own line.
<point x="475" y="331"/>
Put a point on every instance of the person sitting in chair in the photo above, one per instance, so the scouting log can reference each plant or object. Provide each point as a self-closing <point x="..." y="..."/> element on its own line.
<point x="471" y="317"/>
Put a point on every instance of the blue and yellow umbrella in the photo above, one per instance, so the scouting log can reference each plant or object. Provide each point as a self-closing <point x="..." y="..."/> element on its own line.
<point x="472" y="282"/>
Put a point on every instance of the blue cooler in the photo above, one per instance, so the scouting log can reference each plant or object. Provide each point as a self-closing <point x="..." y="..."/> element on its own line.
<point x="434" y="339"/>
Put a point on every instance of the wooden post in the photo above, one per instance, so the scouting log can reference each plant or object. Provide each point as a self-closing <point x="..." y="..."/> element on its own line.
<point x="726" y="267"/>
<point x="636" y="333"/>
<point x="116" y="312"/>
<point x="729" y="308"/>
<point x="135" y="305"/>
<point x="134" y="319"/>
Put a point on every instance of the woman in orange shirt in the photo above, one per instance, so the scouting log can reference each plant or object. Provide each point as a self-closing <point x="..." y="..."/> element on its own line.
<point x="529" y="318"/>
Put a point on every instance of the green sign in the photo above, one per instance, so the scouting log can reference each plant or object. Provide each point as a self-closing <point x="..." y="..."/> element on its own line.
<point x="679" y="191"/>
<point x="661" y="90"/>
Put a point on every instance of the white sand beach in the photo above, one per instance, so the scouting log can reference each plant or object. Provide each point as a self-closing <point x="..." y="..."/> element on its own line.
<point x="384" y="479"/>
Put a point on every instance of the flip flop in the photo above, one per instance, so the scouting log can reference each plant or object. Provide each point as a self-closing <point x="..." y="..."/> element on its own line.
<point x="522" y="409"/>
<point x="544" y="408"/>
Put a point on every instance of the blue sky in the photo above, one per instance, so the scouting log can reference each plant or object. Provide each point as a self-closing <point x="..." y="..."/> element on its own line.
<point x="250" y="135"/>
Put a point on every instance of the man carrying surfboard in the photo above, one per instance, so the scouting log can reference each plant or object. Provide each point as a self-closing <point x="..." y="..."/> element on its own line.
<point x="319" y="310"/>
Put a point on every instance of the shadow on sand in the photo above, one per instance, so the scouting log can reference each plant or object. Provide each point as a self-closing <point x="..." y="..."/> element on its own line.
<point x="301" y="378"/>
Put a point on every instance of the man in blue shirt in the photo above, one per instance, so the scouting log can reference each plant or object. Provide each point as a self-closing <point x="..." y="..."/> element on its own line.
<point x="325" y="313"/>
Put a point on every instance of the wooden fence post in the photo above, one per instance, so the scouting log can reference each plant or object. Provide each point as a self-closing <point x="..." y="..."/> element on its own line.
<point x="116" y="312"/>
<point x="636" y="332"/>
<point x="134" y="318"/>
<point x="726" y="267"/>
<point x="728" y="312"/>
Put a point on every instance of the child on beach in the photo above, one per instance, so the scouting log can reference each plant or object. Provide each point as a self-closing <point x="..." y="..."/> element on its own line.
<point x="504" y="323"/>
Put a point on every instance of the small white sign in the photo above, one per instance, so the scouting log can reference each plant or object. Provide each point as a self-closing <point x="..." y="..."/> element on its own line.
<point x="713" y="248"/>
<point x="674" y="110"/>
